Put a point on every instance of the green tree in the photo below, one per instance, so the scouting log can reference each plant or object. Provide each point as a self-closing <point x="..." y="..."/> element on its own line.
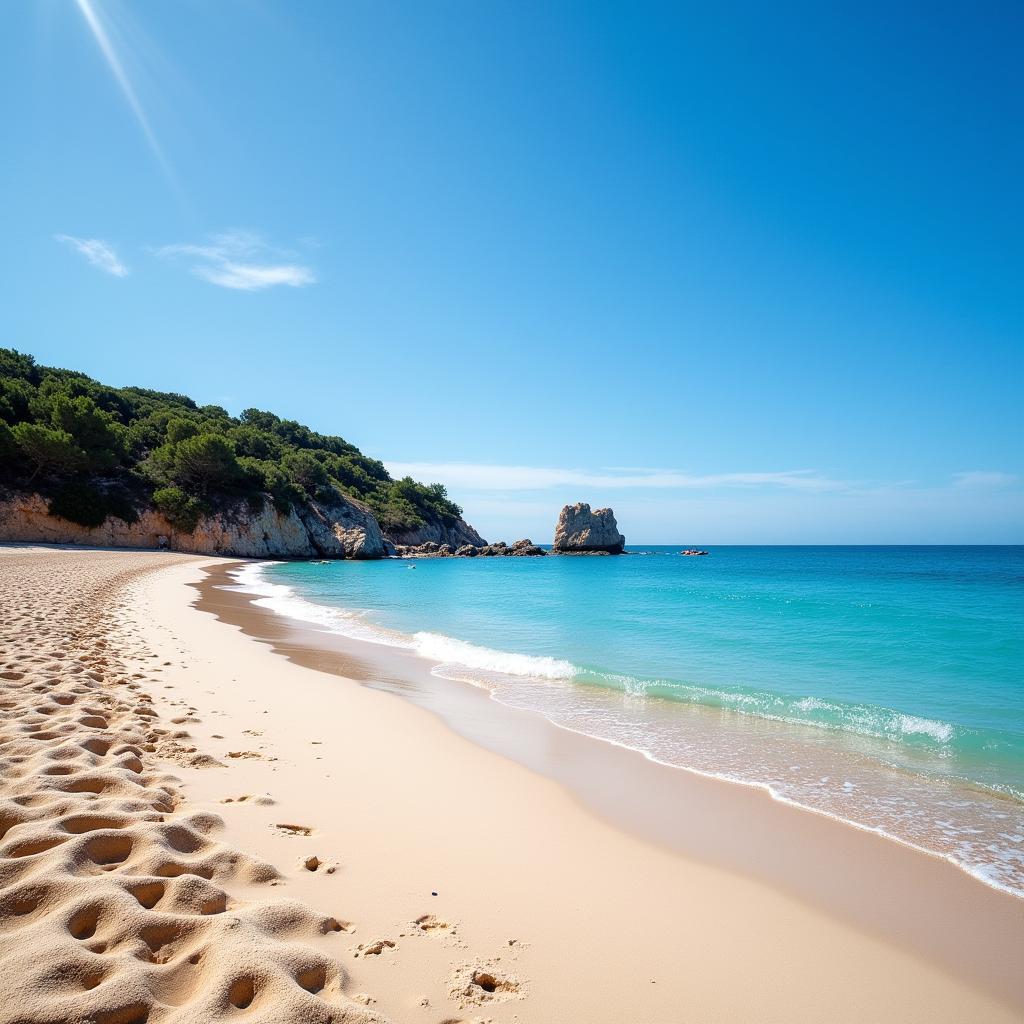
<point x="47" y="449"/>
<point x="205" y="462"/>
<point x="8" y="446"/>
<point x="256" y="443"/>
<point x="15" y="399"/>
<point x="181" y="429"/>
<point x="14" y="364"/>
<point x="306" y="470"/>
<point x="93" y="430"/>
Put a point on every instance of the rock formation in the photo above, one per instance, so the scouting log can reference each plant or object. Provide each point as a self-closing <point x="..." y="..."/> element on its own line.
<point x="580" y="531"/>
<point x="526" y="547"/>
<point x="430" y="549"/>
<point x="347" y="529"/>
<point x="454" y="534"/>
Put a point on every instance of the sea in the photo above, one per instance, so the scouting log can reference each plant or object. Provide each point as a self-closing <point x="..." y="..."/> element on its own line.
<point x="883" y="686"/>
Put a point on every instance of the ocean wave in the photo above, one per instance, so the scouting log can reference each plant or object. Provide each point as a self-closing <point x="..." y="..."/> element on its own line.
<point x="814" y="712"/>
<point x="479" y="664"/>
<point x="910" y="725"/>
<point x="283" y="600"/>
<point x="446" y="649"/>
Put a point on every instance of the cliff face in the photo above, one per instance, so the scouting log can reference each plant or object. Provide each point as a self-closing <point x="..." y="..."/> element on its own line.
<point x="346" y="530"/>
<point x="455" y="536"/>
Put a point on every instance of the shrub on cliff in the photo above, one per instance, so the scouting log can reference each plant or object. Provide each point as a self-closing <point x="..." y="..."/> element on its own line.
<point x="88" y="505"/>
<point x="181" y="510"/>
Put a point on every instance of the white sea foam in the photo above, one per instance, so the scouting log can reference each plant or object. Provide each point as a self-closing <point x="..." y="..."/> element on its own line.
<point x="911" y="724"/>
<point x="283" y="600"/>
<point x="438" y="647"/>
<point x="353" y="623"/>
<point x="813" y="704"/>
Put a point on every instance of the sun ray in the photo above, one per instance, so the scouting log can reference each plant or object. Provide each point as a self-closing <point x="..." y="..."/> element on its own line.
<point x="103" y="41"/>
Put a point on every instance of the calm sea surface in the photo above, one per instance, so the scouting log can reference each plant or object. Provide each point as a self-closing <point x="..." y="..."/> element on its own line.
<point x="881" y="685"/>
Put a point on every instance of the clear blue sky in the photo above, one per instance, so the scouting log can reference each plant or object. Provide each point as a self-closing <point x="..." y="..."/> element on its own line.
<point x="747" y="272"/>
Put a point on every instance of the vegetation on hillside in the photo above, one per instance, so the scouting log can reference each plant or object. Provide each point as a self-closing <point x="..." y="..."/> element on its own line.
<point x="95" y="451"/>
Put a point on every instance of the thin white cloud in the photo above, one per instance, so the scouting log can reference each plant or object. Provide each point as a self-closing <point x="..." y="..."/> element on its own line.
<point x="489" y="477"/>
<point x="99" y="253"/>
<point x="983" y="478"/>
<point x="243" y="261"/>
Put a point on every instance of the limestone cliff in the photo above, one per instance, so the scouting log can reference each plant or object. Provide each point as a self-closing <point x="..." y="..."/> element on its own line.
<point x="455" y="535"/>
<point x="580" y="531"/>
<point x="345" y="530"/>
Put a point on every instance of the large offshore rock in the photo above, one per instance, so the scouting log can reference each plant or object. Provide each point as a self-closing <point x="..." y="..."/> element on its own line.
<point x="581" y="531"/>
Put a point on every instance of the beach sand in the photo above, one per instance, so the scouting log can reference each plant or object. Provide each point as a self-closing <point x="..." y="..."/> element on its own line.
<point x="195" y="827"/>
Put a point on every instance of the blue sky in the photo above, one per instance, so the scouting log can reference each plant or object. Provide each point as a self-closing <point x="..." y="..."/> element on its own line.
<point x="746" y="272"/>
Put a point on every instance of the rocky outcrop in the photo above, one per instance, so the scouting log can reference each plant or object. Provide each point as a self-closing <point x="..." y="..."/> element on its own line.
<point x="525" y="547"/>
<point x="499" y="549"/>
<point x="345" y="530"/>
<point x="580" y="531"/>
<point x="454" y="534"/>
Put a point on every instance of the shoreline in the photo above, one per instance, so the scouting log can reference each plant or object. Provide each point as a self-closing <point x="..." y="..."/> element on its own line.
<point x="322" y="851"/>
<point x="388" y="647"/>
<point x="889" y="886"/>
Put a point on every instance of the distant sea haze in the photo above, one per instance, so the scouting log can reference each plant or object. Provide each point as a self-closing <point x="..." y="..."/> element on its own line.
<point x="880" y="685"/>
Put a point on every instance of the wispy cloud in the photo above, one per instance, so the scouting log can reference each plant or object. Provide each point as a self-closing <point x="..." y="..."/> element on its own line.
<point x="99" y="253"/>
<point x="489" y="477"/>
<point x="242" y="260"/>
<point x="983" y="478"/>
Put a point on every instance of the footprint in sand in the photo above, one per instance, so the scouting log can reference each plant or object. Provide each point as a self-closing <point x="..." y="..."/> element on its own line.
<point x="104" y="872"/>
<point x="374" y="948"/>
<point x="293" y="830"/>
<point x="430" y="923"/>
<point x="477" y="984"/>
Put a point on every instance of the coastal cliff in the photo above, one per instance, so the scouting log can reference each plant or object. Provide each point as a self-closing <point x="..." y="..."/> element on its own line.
<point x="85" y="463"/>
<point x="346" y="530"/>
<point x="455" y="534"/>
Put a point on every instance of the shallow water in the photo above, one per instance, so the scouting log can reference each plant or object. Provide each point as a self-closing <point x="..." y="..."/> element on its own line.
<point x="883" y="686"/>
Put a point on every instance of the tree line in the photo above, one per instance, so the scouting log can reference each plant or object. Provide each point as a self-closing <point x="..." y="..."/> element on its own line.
<point x="95" y="451"/>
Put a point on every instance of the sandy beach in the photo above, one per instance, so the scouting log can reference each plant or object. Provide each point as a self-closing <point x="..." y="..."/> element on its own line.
<point x="208" y="815"/>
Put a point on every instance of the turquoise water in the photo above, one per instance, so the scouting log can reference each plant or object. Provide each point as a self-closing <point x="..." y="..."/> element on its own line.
<point x="884" y="686"/>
